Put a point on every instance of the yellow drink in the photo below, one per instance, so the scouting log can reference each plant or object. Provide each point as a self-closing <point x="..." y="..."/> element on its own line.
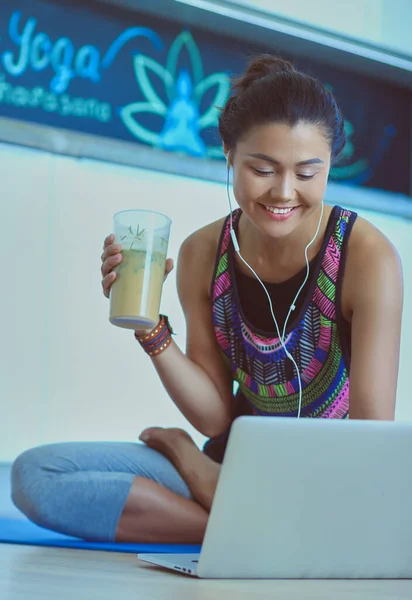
<point x="136" y="292"/>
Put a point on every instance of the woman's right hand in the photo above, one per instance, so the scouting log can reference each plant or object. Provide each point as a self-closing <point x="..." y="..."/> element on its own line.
<point x="111" y="257"/>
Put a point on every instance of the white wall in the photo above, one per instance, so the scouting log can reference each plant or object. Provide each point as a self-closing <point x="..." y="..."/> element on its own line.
<point x="65" y="372"/>
<point x="384" y="23"/>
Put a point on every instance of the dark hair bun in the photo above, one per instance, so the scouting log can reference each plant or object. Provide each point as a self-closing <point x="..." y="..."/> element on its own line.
<point x="271" y="90"/>
<point x="260" y="67"/>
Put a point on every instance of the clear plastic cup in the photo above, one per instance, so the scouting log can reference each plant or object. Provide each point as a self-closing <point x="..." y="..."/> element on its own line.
<point x="137" y="290"/>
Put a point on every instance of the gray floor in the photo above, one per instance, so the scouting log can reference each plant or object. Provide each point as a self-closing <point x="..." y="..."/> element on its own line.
<point x="7" y="508"/>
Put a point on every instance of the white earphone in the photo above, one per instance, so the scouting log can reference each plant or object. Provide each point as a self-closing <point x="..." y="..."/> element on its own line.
<point x="293" y="305"/>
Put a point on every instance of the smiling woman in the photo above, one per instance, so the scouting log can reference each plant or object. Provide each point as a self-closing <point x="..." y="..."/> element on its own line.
<point x="298" y="302"/>
<point x="288" y="179"/>
<point x="281" y="132"/>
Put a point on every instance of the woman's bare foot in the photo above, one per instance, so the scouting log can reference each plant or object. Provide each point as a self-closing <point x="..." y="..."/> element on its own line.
<point x="198" y="470"/>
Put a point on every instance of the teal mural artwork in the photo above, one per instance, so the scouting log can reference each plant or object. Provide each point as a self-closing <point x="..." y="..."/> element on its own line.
<point x="131" y="77"/>
<point x="362" y="170"/>
<point x="349" y="170"/>
<point x="184" y="89"/>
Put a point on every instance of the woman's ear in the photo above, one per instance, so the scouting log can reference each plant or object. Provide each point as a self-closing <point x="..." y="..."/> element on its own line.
<point x="227" y="154"/>
<point x="228" y="159"/>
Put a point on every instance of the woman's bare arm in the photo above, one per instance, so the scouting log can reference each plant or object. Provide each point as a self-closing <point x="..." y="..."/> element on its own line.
<point x="376" y="296"/>
<point x="199" y="382"/>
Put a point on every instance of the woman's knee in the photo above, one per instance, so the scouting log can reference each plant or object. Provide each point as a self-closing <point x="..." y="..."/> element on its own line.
<point x="29" y="490"/>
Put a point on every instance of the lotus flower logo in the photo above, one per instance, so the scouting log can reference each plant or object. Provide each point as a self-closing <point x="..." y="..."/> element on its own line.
<point x="184" y="90"/>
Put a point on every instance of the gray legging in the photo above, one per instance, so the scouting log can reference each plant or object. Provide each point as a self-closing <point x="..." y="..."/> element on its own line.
<point x="80" y="488"/>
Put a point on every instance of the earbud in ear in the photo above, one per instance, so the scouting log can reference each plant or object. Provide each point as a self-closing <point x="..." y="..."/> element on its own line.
<point x="228" y="160"/>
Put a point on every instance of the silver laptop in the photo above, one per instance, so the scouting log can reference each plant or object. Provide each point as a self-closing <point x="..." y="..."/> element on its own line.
<point x="308" y="498"/>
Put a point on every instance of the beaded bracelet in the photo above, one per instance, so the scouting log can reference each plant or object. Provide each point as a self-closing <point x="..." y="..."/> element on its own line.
<point x="160" y="338"/>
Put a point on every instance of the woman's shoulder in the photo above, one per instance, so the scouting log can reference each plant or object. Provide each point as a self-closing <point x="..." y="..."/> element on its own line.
<point x="197" y="258"/>
<point x="371" y="260"/>
<point x="367" y="241"/>
<point x="204" y="241"/>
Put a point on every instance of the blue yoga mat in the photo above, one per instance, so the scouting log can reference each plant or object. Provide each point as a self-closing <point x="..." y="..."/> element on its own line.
<point x="22" y="531"/>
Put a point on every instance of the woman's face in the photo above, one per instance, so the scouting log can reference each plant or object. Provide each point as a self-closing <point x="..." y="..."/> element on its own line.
<point x="276" y="166"/>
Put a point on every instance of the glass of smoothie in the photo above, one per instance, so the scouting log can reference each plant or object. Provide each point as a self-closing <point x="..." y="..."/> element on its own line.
<point x="136" y="292"/>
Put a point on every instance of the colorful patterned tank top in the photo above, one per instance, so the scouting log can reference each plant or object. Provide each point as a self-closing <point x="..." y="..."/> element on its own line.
<point x="313" y="337"/>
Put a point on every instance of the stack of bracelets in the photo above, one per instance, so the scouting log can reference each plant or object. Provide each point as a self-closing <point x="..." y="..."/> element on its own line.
<point x="160" y="338"/>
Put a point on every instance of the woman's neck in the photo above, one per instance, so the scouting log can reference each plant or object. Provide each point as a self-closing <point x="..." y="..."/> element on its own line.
<point x="280" y="257"/>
